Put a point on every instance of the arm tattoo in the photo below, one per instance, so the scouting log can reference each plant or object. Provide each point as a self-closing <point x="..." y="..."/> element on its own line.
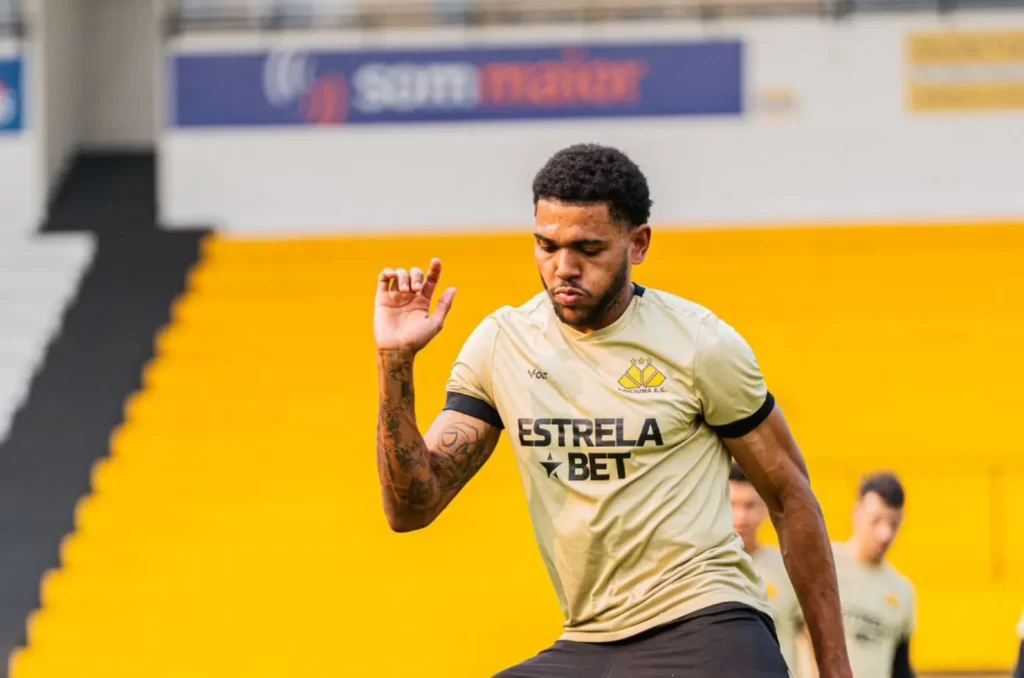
<point x="418" y="481"/>
<point x="419" y="493"/>
<point x="460" y="454"/>
<point x="401" y="454"/>
<point x="409" y="457"/>
<point x="401" y="372"/>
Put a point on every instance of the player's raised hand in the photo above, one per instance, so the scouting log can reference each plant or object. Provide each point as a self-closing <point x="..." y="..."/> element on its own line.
<point x="402" y="319"/>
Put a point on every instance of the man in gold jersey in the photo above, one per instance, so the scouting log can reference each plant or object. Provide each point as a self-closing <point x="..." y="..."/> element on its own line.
<point x="878" y="602"/>
<point x="748" y="514"/>
<point x="623" y="405"/>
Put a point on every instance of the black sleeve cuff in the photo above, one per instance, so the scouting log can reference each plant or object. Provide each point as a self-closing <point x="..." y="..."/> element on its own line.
<point x="740" y="428"/>
<point x="901" y="661"/>
<point x="1019" y="673"/>
<point x="474" y="407"/>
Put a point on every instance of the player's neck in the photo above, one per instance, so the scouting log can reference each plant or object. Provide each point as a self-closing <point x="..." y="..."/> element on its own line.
<point x="861" y="556"/>
<point x="615" y="309"/>
<point x="752" y="548"/>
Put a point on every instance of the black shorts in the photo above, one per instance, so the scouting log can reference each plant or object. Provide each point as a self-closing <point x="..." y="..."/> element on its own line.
<point x="723" y="641"/>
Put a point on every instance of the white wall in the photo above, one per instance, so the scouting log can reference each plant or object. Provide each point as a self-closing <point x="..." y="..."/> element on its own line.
<point x="121" y="46"/>
<point x="39" y="278"/>
<point x="60" y="36"/>
<point x="843" y="147"/>
<point x="20" y="166"/>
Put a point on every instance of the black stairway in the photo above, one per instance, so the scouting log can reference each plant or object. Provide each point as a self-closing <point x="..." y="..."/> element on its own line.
<point x="107" y="192"/>
<point x="77" y="397"/>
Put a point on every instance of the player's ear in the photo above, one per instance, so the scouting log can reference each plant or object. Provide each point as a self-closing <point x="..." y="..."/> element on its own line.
<point x="640" y="242"/>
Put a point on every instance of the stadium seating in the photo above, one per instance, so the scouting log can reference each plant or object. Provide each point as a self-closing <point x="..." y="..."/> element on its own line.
<point x="236" y="527"/>
<point x="38" y="278"/>
<point x="385" y="13"/>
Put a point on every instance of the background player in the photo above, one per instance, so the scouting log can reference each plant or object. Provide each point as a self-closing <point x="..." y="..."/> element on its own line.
<point x="878" y="602"/>
<point x="748" y="514"/>
<point x="1019" y="673"/>
<point x="636" y="533"/>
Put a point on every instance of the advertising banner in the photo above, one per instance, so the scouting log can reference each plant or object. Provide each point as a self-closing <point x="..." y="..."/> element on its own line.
<point x="10" y="96"/>
<point x="965" y="71"/>
<point x="361" y="87"/>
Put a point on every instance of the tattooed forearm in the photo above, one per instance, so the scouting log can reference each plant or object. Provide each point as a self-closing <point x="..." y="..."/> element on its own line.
<point x="402" y="457"/>
<point x="400" y="372"/>
<point x="460" y="454"/>
<point x="418" y="494"/>
<point x="410" y="457"/>
<point x="417" y="481"/>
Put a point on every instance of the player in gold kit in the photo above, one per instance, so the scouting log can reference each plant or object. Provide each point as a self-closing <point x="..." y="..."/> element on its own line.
<point x="624" y="447"/>
<point x="748" y="514"/>
<point x="878" y="602"/>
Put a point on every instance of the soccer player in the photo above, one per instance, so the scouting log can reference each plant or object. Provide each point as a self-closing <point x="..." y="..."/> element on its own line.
<point x="878" y="602"/>
<point x="748" y="514"/>
<point x="623" y="405"/>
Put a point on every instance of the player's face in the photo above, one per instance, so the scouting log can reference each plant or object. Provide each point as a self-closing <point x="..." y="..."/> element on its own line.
<point x="585" y="260"/>
<point x="748" y="511"/>
<point x="876" y="524"/>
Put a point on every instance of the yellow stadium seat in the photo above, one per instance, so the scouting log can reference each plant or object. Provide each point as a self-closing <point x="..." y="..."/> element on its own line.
<point x="236" y="528"/>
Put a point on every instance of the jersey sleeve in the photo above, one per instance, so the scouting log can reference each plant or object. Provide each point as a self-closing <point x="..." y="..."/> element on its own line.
<point x="796" y="613"/>
<point x="469" y="385"/>
<point x="910" y="620"/>
<point x="733" y="395"/>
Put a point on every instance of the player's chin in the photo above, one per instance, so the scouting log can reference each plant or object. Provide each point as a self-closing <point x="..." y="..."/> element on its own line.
<point x="573" y="315"/>
<point x="881" y="551"/>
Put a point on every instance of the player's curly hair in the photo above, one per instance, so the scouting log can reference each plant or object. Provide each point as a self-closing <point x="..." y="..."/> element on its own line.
<point x="590" y="173"/>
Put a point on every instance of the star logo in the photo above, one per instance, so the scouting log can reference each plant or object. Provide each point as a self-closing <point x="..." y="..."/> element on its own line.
<point x="551" y="466"/>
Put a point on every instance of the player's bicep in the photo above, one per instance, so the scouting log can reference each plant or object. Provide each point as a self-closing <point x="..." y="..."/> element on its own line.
<point x="771" y="459"/>
<point x="459" y="444"/>
<point x="734" y="398"/>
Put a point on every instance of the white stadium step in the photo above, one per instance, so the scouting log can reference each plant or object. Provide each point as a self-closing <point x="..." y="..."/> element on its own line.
<point x="39" y="277"/>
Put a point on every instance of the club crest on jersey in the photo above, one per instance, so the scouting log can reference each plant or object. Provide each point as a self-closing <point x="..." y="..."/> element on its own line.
<point x="642" y="377"/>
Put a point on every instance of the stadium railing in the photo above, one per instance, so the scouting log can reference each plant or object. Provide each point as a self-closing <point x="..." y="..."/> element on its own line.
<point x="197" y="15"/>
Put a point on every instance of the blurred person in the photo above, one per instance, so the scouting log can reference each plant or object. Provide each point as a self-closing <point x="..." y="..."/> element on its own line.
<point x="624" y="405"/>
<point x="748" y="514"/>
<point x="1019" y="673"/>
<point x="878" y="602"/>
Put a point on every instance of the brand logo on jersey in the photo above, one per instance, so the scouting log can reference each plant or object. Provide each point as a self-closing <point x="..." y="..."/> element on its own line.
<point x="595" y="466"/>
<point x="642" y="377"/>
<point x="892" y="600"/>
<point x="587" y="433"/>
<point x="537" y="374"/>
<point x="867" y="628"/>
<point x="551" y="466"/>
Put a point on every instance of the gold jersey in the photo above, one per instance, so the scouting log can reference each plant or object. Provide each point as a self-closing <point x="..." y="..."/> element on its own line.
<point x="616" y="434"/>
<point x="878" y="612"/>
<point x="783" y="601"/>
